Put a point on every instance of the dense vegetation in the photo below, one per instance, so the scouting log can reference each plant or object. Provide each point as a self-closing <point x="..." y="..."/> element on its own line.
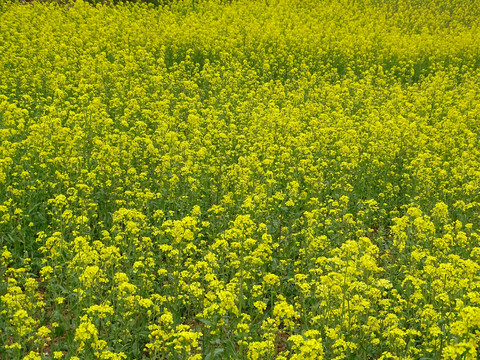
<point x="248" y="180"/>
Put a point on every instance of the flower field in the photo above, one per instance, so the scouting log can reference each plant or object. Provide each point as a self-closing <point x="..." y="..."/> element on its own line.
<point x="281" y="179"/>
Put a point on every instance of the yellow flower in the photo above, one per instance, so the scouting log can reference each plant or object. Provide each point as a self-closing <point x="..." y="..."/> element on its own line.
<point x="285" y="313"/>
<point x="271" y="280"/>
<point x="32" y="355"/>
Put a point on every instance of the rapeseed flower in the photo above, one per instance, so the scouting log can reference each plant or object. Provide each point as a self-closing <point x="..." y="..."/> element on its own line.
<point x="251" y="180"/>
